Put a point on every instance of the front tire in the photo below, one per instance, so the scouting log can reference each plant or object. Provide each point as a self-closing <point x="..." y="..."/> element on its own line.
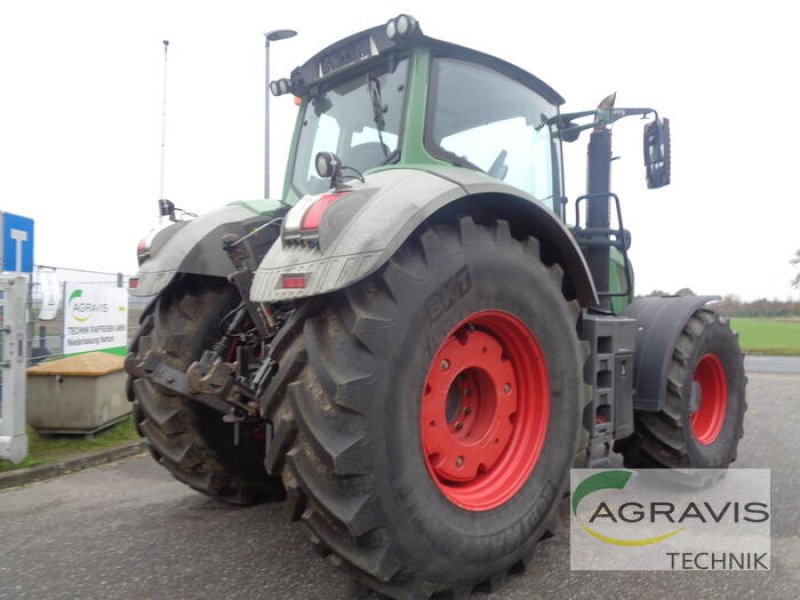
<point x="386" y="363"/>
<point x="701" y="422"/>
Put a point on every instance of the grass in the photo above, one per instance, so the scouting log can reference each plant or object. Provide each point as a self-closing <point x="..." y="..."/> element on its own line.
<point x="768" y="336"/>
<point x="45" y="449"/>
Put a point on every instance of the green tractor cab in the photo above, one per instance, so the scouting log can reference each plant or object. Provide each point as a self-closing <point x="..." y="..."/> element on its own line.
<point x="413" y="346"/>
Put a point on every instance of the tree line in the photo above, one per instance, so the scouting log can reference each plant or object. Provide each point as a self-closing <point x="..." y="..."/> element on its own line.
<point x="732" y="305"/>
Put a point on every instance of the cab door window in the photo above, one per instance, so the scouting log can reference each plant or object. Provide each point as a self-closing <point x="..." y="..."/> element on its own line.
<point x="482" y="119"/>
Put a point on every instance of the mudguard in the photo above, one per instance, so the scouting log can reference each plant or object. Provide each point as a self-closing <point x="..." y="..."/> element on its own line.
<point x="196" y="246"/>
<point x="659" y="322"/>
<point x="363" y="229"/>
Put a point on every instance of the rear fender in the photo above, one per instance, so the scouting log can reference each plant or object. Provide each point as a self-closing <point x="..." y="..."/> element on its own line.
<point x="364" y="228"/>
<point x="196" y="246"/>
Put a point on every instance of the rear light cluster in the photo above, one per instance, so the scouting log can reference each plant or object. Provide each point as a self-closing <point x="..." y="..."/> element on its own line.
<point x="303" y="221"/>
<point x="143" y="248"/>
<point x="301" y="226"/>
<point x="314" y="214"/>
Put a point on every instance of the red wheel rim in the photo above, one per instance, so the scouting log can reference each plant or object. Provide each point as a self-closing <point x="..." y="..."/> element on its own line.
<point x="485" y="409"/>
<point x="709" y="417"/>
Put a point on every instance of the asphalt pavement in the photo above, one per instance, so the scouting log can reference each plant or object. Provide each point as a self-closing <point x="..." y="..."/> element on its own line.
<point x="127" y="530"/>
<point x="772" y="364"/>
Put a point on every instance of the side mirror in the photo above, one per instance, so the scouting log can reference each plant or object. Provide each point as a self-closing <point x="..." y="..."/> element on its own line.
<point x="657" y="153"/>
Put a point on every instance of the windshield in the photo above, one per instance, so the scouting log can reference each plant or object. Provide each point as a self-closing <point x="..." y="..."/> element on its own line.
<point x="483" y="119"/>
<point x="359" y="120"/>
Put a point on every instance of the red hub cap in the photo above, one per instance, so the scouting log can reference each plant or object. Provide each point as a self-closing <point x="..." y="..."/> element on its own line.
<point x="709" y="417"/>
<point x="485" y="409"/>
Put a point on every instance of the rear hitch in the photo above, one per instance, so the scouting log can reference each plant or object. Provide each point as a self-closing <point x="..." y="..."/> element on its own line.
<point x="229" y="376"/>
<point x="153" y="367"/>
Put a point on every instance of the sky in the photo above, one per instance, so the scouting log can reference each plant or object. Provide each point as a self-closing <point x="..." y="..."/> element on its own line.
<point x="81" y="102"/>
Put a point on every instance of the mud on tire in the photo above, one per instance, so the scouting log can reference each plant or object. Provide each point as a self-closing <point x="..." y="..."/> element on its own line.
<point x="187" y="438"/>
<point x="349" y="423"/>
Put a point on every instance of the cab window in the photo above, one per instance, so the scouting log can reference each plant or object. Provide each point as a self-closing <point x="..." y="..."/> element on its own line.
<point x="482" y="119"/>
<point x="344" y="119"/>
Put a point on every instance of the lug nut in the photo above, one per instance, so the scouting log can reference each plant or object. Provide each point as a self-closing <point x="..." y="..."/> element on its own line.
<point x="507" y="388"/>
<point x="460" y="461"/>
<point x="445" y="365"/>
<point x="467" y="392"/>
<point x="459" y="426"/>
<point x="467" y="410"/>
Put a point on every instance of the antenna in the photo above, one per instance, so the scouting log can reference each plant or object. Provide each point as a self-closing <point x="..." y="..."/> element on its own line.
<point x="165" y="207"/>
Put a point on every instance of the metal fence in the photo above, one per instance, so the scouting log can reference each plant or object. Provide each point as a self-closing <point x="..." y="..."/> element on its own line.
<point x="46" y="337"/>
<point x="35" y="318"/>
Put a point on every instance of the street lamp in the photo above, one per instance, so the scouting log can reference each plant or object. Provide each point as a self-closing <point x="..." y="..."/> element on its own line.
<point x="271" y="36"/>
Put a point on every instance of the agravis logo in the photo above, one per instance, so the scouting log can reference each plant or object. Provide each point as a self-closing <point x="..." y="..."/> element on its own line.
<point x="82" y="311"/>
<point x="670" y="519"/>
<point x="603" y="481"/>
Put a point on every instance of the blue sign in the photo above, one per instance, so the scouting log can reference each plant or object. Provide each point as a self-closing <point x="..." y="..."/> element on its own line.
<point x="17" y="243"/>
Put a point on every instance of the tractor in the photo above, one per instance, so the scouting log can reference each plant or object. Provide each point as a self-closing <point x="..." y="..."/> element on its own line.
<point x="414" y="345"/>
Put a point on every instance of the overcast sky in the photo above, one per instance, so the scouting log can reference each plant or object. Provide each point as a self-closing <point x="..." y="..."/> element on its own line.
<point x="80" y="116"/>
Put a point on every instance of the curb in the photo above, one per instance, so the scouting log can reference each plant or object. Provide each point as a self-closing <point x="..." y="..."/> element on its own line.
<point x="68" y="465"/>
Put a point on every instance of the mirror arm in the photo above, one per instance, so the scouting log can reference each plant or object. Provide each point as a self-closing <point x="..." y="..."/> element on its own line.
<point x="602" y="117"/>
<point x="621" y="113"/>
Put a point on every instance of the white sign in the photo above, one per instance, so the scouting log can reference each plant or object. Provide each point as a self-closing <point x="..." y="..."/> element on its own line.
<point x="670" y="520"/>
<point x="95" y="318"/>
<point x="48" y="285"/>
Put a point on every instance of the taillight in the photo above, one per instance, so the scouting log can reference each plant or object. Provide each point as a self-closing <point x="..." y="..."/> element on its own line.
<point x="314" y="214"/>
<point x="143" y="247"/>
<point x="293" y="281"/>
<point x="306" y="215"/>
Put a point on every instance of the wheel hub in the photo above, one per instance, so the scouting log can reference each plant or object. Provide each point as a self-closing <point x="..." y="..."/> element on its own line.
<point x="708" y="419"/>
<point x="485" y="407"/>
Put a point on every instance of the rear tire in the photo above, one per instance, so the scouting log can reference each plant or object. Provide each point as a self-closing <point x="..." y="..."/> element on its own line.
<point x="702" y="420"/>
<point x="350" y="431"/>
<point x="187" y="438"/>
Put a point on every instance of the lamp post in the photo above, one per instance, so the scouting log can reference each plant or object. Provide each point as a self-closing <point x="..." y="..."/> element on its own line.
<point x="271" y="36"/>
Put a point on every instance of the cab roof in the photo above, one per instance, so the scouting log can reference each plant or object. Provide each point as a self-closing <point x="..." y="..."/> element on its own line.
<point x="359" y="51"/>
